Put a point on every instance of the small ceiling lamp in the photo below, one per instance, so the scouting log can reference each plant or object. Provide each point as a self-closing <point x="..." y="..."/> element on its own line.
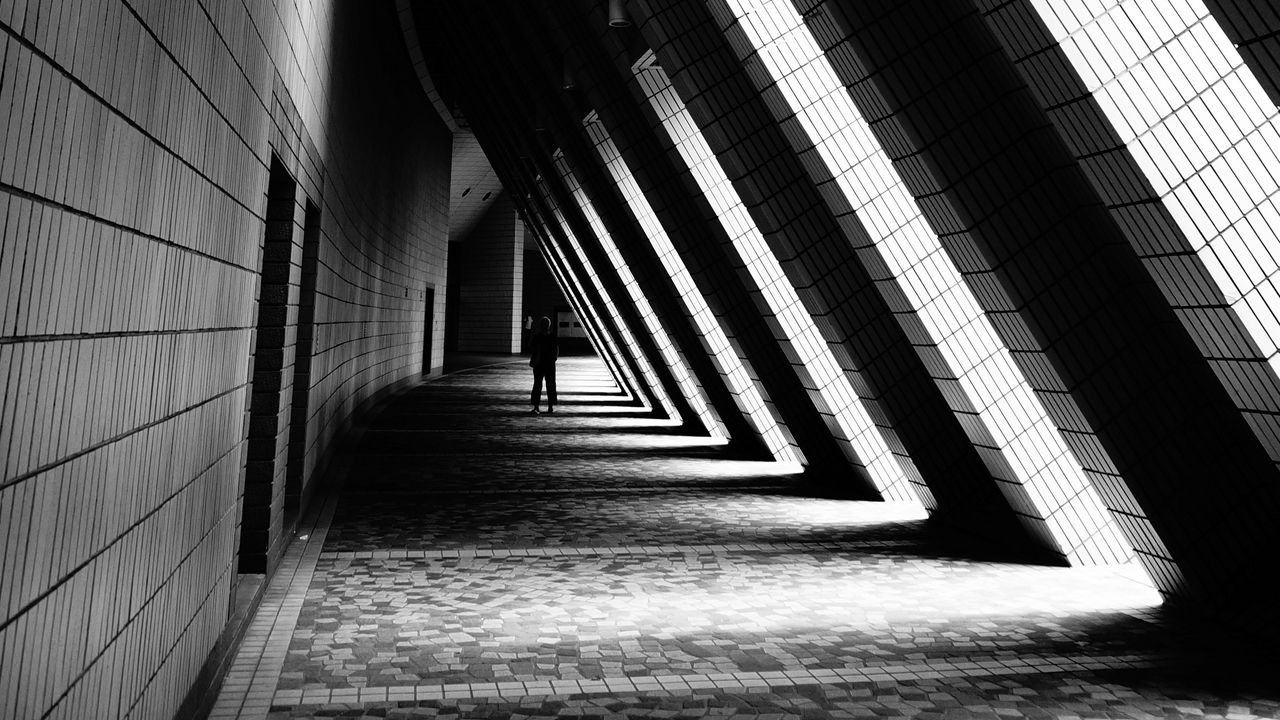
<point x="618" y="14"/>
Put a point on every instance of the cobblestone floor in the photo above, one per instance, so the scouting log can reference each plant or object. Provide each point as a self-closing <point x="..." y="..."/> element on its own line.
<point x="483" y="562"/>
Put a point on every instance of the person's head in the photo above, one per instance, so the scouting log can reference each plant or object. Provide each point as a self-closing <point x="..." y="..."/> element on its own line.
<point x="544" y="325"/>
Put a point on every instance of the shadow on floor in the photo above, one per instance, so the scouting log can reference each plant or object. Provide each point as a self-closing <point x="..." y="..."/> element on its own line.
<point x="521" y="564"/>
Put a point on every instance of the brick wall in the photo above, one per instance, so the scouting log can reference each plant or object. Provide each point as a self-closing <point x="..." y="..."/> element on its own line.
<point x="133" y="193"/>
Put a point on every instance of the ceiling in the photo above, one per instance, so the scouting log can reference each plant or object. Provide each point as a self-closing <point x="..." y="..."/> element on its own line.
<point x="474" y="186"/>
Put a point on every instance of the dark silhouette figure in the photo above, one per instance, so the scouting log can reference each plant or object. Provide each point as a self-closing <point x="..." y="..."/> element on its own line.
<point x="543" y="352"/>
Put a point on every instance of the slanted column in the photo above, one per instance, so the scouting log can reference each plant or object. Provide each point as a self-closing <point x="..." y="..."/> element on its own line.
<point x="1254" y="28"/>
<point x="565" y="242"/>
<point x="761" y="372"/>
<point x="591" y="236"/>
<point x="587" y="233"/>
<point x="567" y="245"/>
<point x="841" y="270"/>
<point x="1201" y="227"/>
<point x="1160" y="439"/>
<point x="602" y="338"/>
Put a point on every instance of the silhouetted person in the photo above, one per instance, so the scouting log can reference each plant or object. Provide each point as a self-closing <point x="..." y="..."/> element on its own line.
<point x="543" y="352"/>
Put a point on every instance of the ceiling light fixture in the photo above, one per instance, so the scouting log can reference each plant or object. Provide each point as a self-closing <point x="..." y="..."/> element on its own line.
<point x="618" y="14"/>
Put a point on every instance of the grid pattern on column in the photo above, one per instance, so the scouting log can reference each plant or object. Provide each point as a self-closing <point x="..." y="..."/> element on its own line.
<point x="572" y="292"/>
<point x="623" y="331"/>
<point x="1254" y="28"/>
<point x="600" y="337"/>
<point x="1042" y="480"/>
<point x="740" y="383"/>
<point x="1203" y="132"/>
<point x="593" y="312"/>
<point x="590" y="320"/>
<point x="607" y="343"/>
<point x="669" y="353"/>
<point x="797" y="325"/>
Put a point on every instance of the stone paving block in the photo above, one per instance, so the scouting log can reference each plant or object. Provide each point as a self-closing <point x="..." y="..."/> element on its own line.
<point x="674" y="599"/>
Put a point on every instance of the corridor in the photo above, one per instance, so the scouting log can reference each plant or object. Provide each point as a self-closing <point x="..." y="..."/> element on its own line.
<point x="479" y="561"/>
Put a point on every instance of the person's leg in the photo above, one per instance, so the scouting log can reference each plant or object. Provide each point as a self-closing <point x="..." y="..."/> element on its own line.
<point x="551" y="388"/>
<point x="535" y="397"/>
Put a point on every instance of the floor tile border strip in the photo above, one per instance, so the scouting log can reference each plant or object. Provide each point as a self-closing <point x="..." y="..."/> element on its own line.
<point x="577" y="453"/>
<point x="589" y="422"/>
<point x="628" y="490"/>
<point x="608" y="551"/>
<point x="733" y="682"/>
<point x="255" y="673"/>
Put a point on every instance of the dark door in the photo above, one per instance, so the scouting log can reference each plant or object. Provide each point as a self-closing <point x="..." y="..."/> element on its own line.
<point x="428" y="330"/>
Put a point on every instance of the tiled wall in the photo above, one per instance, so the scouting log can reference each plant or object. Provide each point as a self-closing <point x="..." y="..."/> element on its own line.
<point x="768" y="150"/>
<point x="136" y="146"/>
<point x="1254" y="27"/>
<point x="488" y="267"/>
<point x="1029" y="472"/>
<point x="1159" y="139"/>
<point x="1099" y="343"/>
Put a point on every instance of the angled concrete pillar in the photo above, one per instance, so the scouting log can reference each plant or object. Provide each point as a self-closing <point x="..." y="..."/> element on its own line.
<point x="705" y="248"/>
<point x="958" y="469"/>
<point x="563" y="234"/>
<point x="593" y="255"/>
<point x="1211" y="262"/>
<point x="1254" y="28"/>
<point x="597" y="329"/>
<point x="1163" y="444"/>
<point x="662" y="301"/>
<point x="611" y="339"/>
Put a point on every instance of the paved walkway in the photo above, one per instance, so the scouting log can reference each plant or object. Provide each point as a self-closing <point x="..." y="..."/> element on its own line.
<point x="483" y="562"/>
